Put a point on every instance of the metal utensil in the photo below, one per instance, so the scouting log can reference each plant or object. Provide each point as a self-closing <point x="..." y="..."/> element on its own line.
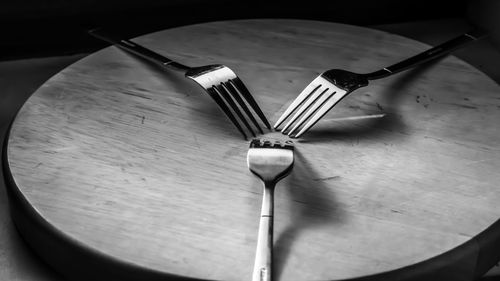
<point x="219" y="81"/>
<point x="331" y="86"/>
<point x="271" y="161"/>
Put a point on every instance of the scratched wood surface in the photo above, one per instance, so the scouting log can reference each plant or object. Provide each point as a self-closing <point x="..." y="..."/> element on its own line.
<point x="140" y="165"/>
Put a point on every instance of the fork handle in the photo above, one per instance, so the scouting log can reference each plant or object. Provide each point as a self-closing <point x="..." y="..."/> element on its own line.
<point x="262" y="270"/>
<point x="440" y="50"/>
<point x="138" y="50"/>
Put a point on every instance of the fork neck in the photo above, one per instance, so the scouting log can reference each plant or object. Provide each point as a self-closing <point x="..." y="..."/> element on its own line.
<point x="270" y="185"/>
<point x="176" y="66"/>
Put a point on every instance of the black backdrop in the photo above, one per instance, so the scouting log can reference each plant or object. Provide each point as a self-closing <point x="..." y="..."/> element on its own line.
<point x="37" y="28"/>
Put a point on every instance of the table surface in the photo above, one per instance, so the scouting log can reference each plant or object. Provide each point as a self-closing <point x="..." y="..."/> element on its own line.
<point x="138" y="164"/>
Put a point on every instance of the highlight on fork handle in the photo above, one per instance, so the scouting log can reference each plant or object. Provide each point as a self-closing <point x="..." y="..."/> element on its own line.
<point x="430" y="54"/>
<point x="137" y="49"/>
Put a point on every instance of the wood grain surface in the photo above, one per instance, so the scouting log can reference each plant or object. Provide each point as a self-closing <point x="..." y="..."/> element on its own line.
<point x="138" y="164"/>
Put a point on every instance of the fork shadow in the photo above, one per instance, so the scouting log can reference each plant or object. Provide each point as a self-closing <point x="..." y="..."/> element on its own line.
<point x="310" y="196"/>
<point x="392" y="122"/>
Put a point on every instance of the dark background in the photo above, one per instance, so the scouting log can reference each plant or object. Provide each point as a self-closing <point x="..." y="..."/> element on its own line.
<point x="34" y="28"/>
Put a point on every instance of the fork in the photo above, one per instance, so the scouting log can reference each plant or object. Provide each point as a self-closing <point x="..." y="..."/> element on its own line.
<point x="271" y="161"/>
<point x="331" y="86"/>
<point x="219" y="81"/>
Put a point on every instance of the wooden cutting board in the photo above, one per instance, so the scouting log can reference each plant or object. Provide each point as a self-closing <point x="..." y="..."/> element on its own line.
<point x="119" y="170"/>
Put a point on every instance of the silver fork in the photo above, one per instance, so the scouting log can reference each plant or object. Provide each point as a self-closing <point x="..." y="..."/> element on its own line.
<point x="271" y="161"/>
<point x="219" y="81"/>
<point x="331" y="86"/>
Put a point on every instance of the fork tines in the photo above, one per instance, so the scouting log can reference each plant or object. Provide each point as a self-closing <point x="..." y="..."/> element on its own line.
<point x="268" y="143"/>
<point x="311" y="104"/>
<point x="232" y="96"/>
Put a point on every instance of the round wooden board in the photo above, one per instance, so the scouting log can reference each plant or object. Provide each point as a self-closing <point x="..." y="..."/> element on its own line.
<point x="139" y="165"/>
